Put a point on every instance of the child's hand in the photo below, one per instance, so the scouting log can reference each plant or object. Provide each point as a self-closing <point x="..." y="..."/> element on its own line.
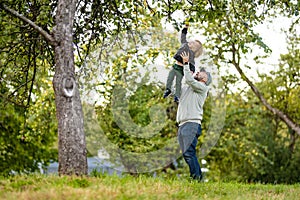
<point x="187" y="23"/>
<point x="185" y="57"/>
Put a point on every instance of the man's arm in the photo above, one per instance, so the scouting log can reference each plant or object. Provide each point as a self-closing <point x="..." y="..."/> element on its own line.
<point x="196" y="85"/>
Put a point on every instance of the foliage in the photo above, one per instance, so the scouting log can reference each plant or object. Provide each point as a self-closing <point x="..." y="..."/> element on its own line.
<point x="240" y="152"/>
<point x="283" y="82"/>
<point x="255" y="145"/>
<point x="131" y="104"/>
<point x="27" y="142"/>
<point x="27" y="107"/>
<point x="23" y="56"/>
<point x="149" y="139"/>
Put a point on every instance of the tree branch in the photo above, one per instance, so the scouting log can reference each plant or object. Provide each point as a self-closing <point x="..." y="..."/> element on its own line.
<point x="149" y="7"/>
<point x="46" y="35"/>
<point x="284" y="117"/>
<point x="211" y="6"/>
<point x="236" y="62"/>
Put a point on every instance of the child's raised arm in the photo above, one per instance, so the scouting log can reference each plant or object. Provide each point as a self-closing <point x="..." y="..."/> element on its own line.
<point x="183" y="34"/>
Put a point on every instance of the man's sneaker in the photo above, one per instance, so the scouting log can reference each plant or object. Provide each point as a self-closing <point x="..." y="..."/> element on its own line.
<point x="176" y="99"/>
<point x="167" y="92"/>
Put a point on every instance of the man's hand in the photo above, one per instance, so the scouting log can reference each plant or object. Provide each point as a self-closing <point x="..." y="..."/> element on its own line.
<point x="185" y="57"/>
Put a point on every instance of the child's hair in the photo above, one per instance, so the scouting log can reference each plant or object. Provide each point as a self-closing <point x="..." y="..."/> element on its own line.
<point x="200" y="50"/>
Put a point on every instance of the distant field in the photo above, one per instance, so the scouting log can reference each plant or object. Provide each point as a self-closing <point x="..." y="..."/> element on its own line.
<point x="41" y="187"/>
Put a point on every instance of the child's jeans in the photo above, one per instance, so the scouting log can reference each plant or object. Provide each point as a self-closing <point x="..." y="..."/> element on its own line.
<point x="176" y="71"/>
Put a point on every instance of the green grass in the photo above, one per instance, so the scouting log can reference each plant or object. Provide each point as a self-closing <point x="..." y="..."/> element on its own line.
<point x="142" y="187"/>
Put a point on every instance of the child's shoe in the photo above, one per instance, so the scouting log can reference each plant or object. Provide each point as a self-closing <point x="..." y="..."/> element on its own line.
<point x="167" y="92"/>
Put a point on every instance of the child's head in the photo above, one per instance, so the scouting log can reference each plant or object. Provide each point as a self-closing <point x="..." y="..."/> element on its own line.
<point x="196" y="47"/>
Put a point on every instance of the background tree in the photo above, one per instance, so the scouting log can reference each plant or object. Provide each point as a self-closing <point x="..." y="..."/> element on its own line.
<point x="257" y="145"/>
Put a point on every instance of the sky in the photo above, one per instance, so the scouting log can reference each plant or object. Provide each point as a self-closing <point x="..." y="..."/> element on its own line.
<point x="274" y="37"/>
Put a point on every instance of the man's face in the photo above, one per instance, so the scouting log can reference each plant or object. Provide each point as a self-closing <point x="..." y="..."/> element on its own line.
<point x="201" y="76"/>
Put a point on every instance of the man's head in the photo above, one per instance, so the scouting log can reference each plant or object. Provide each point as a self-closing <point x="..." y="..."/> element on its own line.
<point x="203" y="76"/>
<point x="196" y="47"/>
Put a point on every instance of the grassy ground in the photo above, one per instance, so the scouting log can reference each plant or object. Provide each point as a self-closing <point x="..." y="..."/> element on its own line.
<point x="113" y="187"/>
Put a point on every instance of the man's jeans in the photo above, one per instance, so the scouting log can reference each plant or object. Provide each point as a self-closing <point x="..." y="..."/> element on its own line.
<point x="188" y="135"/>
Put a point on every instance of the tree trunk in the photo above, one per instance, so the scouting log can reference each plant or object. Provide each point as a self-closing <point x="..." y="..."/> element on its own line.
<point x="72" y="148"/>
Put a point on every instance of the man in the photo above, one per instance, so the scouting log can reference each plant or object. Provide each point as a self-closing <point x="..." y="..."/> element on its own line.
<point x="189" y="115"/>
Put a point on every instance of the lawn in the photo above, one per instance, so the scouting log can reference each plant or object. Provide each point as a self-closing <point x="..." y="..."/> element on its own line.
<point x="42" y="187"/>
